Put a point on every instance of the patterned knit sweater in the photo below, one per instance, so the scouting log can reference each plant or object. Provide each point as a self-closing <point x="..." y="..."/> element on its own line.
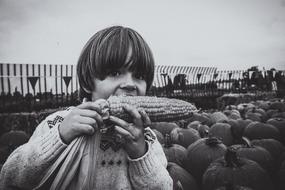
<point x="111" y="169"/>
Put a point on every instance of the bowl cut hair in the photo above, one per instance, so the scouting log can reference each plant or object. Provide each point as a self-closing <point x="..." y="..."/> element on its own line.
<point x="107" y="50"/>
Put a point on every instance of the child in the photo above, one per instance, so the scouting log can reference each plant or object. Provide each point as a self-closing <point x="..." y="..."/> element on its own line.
<point x="115" y="61"/>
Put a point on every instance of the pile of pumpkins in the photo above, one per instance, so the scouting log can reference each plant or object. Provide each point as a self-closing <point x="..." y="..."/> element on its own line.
<point x="9" y="141"/>
<point x="239" y="147"/>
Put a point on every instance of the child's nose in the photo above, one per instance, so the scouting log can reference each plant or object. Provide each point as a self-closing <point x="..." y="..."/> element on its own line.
<point x="128" y="83"/>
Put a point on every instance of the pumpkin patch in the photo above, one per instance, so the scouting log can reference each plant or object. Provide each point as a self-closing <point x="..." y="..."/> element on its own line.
<point x="238" y="147"/>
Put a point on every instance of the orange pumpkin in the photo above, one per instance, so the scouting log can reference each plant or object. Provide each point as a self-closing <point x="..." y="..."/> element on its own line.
<point x="258" y="130"/>
<point x="184" y="137"/>
<point x="237" y="171"/>
<point x="174" y="152"/>
<point x="255" y="153"/>
<point x="201" y="153"/>
<point x="237" y="128"/>
<point x="202" y="129"/>
<point x="281" y="176"/>
<point x="218" y="117"/>
<point x="203" y="117"/>
<point x="164" y="127"/>
<point x="222" y="131"/>
<point x="181" y="178"/>
<point x="279" y="123"/>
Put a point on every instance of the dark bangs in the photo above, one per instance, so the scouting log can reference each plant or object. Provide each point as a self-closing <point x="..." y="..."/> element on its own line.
<point x="114" y="50"/>
<point x="108" y="50"/>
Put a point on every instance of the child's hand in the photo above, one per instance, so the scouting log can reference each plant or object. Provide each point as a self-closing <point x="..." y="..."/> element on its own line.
<point x="83" y="119"/>
<point x="133" y="133"/>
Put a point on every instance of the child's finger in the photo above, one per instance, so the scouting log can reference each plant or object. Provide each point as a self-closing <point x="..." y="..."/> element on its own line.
<point x="92" y="114"/>
<point x="85" y="129"/>
<point x="86" y="120"/>
<point x="133" y="112"/>
<point x="124" y="133"/>
<point x="98" y="105"/>
<point x="119" y="122"/>
<point x="145" y="118"/>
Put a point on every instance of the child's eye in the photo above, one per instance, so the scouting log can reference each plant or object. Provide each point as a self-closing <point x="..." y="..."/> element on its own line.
<point x="140" y="76"/>
<point x="114" y="73"/>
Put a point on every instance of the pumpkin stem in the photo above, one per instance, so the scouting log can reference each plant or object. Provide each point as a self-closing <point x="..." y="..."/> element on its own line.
<point x="167" y="143"/>
<point x="231" y="157"/>
<point x="205" y="133"/>
<point x="246" y="142"/>
<point x="213" y="141"/>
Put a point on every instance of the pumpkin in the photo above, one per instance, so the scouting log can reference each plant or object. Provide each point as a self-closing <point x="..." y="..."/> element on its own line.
<point x="271" y="112"/>
<point x="218" y="117"/>
<point x="277" y="106"/>
<point x="274" y="147"/>
<point x="222" y="131"/>
<point x="253" y="116"/>
<point x="279" y="123"/>
<point x="201" y="153"/>
<point x="237" y="128"/>
<point x="202" y="129"/>
<point x="181" y="123"/>
<point x="243" y="107"/>
<point x="281" y="176"/>
<point x="164" y="127"/>
<point x="255" y="153"/>
<point x="232" y="113"/>
<point x="159" y="136"/>
<point x="174" y="152"/>
<point x="203" y="117"/>
<point x="14" y="138"/>
<point x="263" y="104"/>
<point x="184" y="137"/>
<point x="181" y="178"/>
<point x="237" y="171"/>
<point x="231" y="107"/>
<point x="278" y="114"/>
<point x="258" y="130"/>
<point x="5" y="151"/>
<point x="258" y="112"/>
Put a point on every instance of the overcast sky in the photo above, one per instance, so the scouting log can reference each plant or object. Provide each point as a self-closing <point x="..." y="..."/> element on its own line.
<point x="227" y="34"/>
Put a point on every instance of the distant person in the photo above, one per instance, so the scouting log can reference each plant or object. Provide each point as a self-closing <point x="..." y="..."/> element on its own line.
<point x="115" y="61"/>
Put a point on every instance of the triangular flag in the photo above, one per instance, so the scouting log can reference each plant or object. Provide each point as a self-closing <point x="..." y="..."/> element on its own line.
<point x="199" y="76"/>
<point x="67" y="80"/>
<point x="230" y="75"/>
<point x="33" y="81"/>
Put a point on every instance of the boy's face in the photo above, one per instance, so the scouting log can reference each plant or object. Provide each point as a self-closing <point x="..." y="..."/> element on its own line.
<point x="121" y="82"/>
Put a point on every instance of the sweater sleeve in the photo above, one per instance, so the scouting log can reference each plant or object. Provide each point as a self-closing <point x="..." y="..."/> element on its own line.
<point x="149" y="171"/>
<point x="25" y="167"/>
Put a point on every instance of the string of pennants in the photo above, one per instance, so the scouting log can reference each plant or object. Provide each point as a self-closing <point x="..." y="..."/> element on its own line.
<point x="34" y="79"/>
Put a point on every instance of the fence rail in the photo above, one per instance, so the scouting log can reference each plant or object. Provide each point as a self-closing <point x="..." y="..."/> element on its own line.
<point x="28" y="87"/>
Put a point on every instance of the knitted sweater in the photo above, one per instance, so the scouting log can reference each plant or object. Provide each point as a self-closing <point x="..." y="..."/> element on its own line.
<point x="111" y="169"/>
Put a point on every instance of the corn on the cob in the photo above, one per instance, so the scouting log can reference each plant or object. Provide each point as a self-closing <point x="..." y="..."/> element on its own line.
<point x="157" y="108"/>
